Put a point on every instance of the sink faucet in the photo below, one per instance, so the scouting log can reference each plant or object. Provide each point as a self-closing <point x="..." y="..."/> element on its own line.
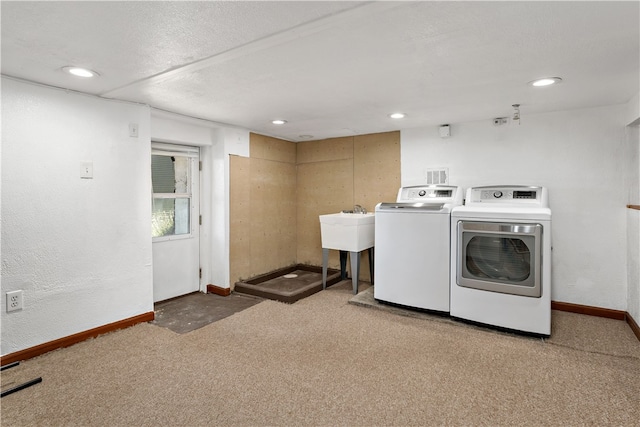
<point x="359" y="209"/>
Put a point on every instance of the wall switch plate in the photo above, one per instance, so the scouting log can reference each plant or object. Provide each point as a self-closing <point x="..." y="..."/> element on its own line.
<point x="86" y="170"/>
<point x="133" y="130"/>
<point x="14" y="301"/>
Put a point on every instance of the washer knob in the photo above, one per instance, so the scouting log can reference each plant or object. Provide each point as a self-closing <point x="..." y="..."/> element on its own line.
<point x="421" y="193"/>
<point x="497" y="194"/>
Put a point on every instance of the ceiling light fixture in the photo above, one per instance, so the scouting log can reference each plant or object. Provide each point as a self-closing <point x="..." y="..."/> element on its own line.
<point x="278" y="122"/>
<point x="397" y="115"/>
<point x="547" y="81"/>
<point x="305" y="136"/>
<point x="80" y="72"/>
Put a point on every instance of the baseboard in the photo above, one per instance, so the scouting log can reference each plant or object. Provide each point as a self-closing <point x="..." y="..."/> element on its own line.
<point x="599" y="312"/>
<point x="74" y="339"/>
<point x="634" y="326"/>
<point x="147" y="317"/>
<point x="591" y="311"/>
<point x="213" y="289"/>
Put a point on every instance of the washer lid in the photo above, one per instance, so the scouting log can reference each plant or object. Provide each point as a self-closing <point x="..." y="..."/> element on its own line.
<point x="435" y="207"/>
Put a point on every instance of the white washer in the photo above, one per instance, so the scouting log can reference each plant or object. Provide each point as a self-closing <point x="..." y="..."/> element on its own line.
<point x="412" y="247"/>
<point x="501" y="258"/>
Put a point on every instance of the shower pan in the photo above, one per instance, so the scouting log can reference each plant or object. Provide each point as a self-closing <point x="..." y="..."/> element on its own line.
<point x="288" y="284"/>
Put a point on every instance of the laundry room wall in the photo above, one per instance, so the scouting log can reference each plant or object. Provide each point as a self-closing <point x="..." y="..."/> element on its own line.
<point x="336" y="174"/>
<point x="581" y="156"/>
<point x="262" y="208"/>
<point x="278" y="193"/>
<point x="633" y="215"/>
<point x="79" y="249"/>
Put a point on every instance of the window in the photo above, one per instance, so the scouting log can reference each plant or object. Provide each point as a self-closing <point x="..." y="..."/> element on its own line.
<point x="171" y="175"/>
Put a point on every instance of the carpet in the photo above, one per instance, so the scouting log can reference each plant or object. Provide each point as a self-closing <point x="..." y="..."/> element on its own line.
<point x="325" y="362"/>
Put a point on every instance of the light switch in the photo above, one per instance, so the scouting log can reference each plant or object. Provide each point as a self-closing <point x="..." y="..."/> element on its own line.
<point x="133" y="130"/>
<point x="86" y="170"/>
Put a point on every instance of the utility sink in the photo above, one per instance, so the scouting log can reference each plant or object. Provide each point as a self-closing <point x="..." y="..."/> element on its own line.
<point x="353" y="232"/>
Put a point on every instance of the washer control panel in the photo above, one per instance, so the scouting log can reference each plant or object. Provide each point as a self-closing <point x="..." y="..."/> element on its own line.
<point x="422" y="193"/>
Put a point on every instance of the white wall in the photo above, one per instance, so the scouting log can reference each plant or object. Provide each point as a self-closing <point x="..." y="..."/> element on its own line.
<point x="229" y="141"/>
<point x="633" y="216"/>
<point x="78" y="248"/>
<point x="581" y="156"/>
<point x="633" y="111"/>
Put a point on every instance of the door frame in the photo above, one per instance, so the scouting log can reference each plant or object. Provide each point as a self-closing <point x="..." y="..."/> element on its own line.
<point x="195" y="212"/>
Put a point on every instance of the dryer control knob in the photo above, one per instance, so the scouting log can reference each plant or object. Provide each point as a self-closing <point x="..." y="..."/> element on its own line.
<point x="497" y="194"/>
<point x="422" y="193"/>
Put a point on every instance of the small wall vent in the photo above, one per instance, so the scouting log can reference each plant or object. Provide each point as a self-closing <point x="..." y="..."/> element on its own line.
<point x="437" y="176"/>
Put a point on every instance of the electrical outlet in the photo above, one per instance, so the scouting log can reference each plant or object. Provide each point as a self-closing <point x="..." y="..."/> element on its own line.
<point x="14" y="301"/>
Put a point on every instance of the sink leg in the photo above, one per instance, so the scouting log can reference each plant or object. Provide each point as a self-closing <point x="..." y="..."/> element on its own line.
<point x="343" y="265"/>
<point x="371" y="256"/>
<point x="325" y="260"/>
<point x="355" y="270"/>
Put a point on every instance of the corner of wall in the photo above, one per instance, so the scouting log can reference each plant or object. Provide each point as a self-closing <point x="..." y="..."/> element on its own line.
<point x="633" y="111"/>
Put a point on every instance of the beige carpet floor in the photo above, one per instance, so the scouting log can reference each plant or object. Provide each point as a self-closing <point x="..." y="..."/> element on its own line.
<point x="323" y="361"/>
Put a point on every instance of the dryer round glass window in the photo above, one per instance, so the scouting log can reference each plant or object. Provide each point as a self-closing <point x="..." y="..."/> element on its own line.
<point x="500" y="257"/>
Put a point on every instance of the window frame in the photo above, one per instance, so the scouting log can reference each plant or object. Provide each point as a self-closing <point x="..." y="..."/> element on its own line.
<point x="193" y="156"/>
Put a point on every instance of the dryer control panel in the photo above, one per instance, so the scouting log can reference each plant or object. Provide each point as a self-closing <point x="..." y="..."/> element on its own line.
<point x="508" y="195"/>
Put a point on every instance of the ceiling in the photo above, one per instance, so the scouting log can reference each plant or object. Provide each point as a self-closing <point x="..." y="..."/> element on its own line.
<point x="331" y="68"/>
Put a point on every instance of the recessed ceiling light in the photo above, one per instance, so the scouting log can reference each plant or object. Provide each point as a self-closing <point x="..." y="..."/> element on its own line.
<point x="278" y="122"/>
<point x="397" y="115"/>
<point x="80" y="72"/>
<point x="545" y="81"/>
<point x="305" y="136"/>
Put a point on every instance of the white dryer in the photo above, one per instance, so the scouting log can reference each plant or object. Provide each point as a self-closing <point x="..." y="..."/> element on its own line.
<point x="501" y="258"/>
<point x="412" y="247"/>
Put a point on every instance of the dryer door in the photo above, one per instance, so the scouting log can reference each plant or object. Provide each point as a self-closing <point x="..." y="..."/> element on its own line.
<point x="500" y="257"/>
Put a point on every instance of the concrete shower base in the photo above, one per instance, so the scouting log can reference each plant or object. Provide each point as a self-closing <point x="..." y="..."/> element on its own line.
<point x="273" y="285"/>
